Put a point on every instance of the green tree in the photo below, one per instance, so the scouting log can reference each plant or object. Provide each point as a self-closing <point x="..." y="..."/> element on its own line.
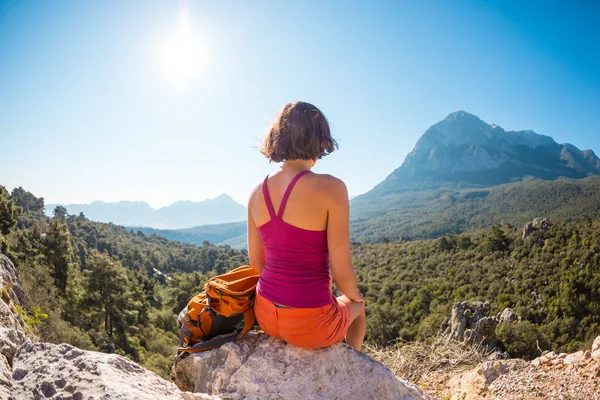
<point x="60" y="212"/>
<point x="107" y="284"/>
<point x="9" y="212"/>
<point x="496" y="240"/>
<point x="27" y="201"/>
<point x="59" y="252"/>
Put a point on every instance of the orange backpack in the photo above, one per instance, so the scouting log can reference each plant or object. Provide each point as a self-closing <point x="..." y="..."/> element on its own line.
<point x="214" y="317"/>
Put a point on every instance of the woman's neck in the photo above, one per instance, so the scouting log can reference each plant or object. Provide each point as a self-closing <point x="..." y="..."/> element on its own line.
<point x="297" y="165"/>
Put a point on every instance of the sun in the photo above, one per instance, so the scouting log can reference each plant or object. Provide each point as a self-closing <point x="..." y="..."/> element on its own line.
<point x="183" y="55"/>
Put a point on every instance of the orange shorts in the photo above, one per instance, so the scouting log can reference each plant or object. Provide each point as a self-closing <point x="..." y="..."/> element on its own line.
<point x="309" y="328"/>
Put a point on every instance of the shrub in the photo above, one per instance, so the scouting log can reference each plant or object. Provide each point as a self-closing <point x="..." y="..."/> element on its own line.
<point x="522" y="339"/>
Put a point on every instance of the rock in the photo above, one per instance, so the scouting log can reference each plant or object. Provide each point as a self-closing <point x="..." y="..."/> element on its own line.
<point x="6" y="381"/>
<point x="537" y="224"/>
<point x="507" y="316"/>
<point x="595" y="354"/>
<point x="11" y="331"/>
<point x="596" y="344"/>
<point x="10" y="341"/>
<point x="9" y="279"/>
<point x="469" y="323"/>
<point x="474" y="384"/>
<point x="562" y="355"/>
<point x="66" y="372"/>
<point x="536" y="362"/>
<point x="573" y="358"/>
<point x="261" y="367"/>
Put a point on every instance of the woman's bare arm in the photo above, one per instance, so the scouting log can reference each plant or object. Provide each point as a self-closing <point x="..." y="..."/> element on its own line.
<point x="256" y="248"/>
<point x="338" y="240"/>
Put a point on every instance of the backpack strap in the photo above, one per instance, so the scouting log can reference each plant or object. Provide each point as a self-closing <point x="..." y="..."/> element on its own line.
<point x="209" y="344"/>
<point x="249" y="321"/>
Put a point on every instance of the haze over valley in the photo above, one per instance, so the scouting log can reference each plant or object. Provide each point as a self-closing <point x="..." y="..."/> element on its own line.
<point x="463" y="174"/>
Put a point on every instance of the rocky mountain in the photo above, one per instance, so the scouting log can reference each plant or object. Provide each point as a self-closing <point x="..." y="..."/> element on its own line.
<point x="181" y="214"/>
<point x="464" y="151"/>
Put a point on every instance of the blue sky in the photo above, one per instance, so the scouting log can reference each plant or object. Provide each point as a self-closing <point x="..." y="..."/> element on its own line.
<point x="165" y="101"/>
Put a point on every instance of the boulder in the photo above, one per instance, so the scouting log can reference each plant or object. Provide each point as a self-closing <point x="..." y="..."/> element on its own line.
<point x="596" y="344"/>
<point x="469" y="322"/>
<point x="573" y="358"/>
<point x="475" y="384"/>
<point x="261" y="367"/>
<point x="43" y="370"/>
<point x="507" y="316"/>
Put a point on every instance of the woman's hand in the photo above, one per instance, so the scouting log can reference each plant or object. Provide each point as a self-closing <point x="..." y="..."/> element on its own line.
<point x="359" y="299"/>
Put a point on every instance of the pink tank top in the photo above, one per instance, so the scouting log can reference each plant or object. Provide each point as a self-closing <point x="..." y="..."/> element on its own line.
<point x="296" y="272"/>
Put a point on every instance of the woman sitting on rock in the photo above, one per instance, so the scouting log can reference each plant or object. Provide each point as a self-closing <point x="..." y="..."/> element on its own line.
<point x="298" y="224"/>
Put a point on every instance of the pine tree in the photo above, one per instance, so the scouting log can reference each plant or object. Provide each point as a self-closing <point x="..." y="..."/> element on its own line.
<point x="59" y="252"/>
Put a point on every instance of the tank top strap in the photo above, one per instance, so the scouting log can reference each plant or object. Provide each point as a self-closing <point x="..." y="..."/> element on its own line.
<point x="267" y="197"/>
<point x="288" y="191"/>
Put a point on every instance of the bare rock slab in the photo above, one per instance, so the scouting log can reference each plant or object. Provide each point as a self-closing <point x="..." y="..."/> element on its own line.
<point x="42" y="371"/>
<point x="261" y="367"/>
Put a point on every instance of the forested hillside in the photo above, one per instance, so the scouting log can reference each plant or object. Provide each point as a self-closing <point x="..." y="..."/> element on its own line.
<point x="551" y="279"/>
<point x="99" y="286"/>
<point x="430" y="214"/>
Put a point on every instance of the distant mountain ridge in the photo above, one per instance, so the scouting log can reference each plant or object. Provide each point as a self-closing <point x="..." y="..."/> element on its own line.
<point x="181" y="214"/>
<point x="464" y="151"/>
<point x="232" y="234"/>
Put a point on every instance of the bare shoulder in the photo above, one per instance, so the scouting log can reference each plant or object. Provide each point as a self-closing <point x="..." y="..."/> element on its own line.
<point x="256" y="190"/>
<point x="329" y="186"/>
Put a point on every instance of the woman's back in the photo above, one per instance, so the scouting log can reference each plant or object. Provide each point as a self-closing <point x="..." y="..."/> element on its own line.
<point x="296" y="271"/>
<point x="305" y="207"/>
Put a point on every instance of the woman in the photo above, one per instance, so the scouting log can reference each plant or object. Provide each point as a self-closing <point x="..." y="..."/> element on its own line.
<point x="298" y="224"/>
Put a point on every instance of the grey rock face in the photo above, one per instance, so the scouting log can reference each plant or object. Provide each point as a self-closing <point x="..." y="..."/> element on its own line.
<point x="537" y="224"/>
<point x="471" y="323"/>
<point x="507" y="315"/>
<point x="260" y="367"/>
<point x="11" y="330"/>
<point x="463" y="149"/>
<point x="42" y="370"/>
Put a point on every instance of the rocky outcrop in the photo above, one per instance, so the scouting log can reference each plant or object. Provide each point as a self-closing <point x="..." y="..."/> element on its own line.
<point x="43" y="370"/>
<point x="536" y="225"/>
<point x="30" y="370"/>
<point x="475" y="384"/>
<point x="11" y="328"/>
<point x="550" y="376"/>
<point x="470" y="323"/>
<point x="260" y="367"/>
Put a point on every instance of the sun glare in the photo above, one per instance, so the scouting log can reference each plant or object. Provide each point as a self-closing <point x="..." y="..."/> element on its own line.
<point x="183" y="54"/>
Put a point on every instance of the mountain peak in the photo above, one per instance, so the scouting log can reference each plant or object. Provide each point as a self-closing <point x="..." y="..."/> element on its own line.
<point x="463" y="150"/>
<point x="460" y="114"/>
<point x="223" y="197"/>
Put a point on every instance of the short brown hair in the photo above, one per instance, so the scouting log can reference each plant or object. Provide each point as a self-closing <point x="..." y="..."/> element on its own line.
<point x="300" y="132"/>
